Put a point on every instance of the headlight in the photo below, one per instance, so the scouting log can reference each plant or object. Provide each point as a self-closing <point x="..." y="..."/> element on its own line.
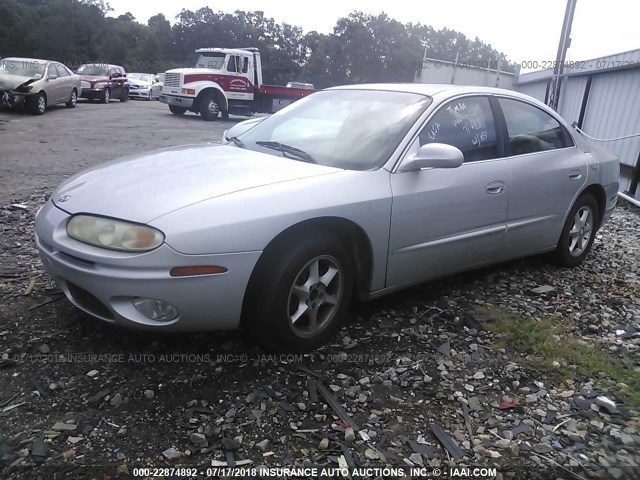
<point x="114" y="234"/>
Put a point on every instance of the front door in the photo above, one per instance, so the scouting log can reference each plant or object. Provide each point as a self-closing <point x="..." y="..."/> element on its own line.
<point x="448" y="220"/>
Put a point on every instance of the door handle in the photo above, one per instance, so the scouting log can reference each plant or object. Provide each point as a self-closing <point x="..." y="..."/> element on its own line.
<point x="575" y="175"/>
<point x="494" y="188"/>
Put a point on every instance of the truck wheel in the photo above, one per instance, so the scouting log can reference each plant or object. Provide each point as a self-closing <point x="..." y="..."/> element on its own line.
<point x="209" y="107"/>
<point x="177" y="110"/>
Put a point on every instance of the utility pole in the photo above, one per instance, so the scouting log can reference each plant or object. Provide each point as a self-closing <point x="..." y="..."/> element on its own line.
<point x="563" y="46"/>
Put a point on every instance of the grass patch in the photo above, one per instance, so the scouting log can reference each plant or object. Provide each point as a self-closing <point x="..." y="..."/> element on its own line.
<point x="551" y="350"/>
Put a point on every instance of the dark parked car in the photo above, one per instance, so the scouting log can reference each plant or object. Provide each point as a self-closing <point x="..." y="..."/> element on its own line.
<point x="103" y="82"/>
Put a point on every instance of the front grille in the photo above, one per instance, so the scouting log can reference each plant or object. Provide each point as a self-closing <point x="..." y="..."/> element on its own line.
<point x="89" y="302"/>
<point x="172" y="80"/>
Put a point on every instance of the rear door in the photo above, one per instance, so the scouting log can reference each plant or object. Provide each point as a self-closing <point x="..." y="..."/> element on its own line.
<point x="547" y="173"/>
<point x="67" y="82"/>
<point x="54" y="88"/>
<point x="448" y="220"/>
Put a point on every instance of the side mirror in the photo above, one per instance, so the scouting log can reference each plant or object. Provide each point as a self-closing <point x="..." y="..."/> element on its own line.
<point x="116" y="75"/>
<point x="433" y="155"/>
<point x="53" y="76"/>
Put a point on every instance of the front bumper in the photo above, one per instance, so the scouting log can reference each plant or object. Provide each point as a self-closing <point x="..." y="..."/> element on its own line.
<point x="13" y="99"/>
<point x="139" y="93"/>
<point x="611" y="193"/>
<point x="91" y="92"/>
<point x="175" y="100"/>
<point x="104" y="283"/>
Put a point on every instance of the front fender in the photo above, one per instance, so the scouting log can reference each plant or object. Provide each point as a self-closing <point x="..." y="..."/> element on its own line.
<point x="202" y="87"/>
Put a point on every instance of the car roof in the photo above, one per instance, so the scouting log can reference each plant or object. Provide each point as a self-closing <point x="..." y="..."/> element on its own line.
<point x="431" y="89"/>
<point x="22" y="59"/>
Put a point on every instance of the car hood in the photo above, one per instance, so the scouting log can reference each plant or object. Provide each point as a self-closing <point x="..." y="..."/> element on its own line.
<point x="144" y="187"/>
<point x="94" y="78"/>
<point x="9" y="82"/>
<point x="141" y="83"/>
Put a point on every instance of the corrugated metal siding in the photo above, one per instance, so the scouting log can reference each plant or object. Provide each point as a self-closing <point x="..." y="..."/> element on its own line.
<point x="613" y="110"/>
<point x="438" y="71"/>
<point x="537" y="90"/>
<point x="571" y="95"/>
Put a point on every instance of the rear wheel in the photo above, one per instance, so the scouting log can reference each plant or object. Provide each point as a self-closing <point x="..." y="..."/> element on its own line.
<point x="177" y="110"/>
<point x="73" y="100"/>
<point x="299" y="293"/>
<point x="209" y="106"/>
<point x="38" y="104"/>
<point x="578" y="232"/>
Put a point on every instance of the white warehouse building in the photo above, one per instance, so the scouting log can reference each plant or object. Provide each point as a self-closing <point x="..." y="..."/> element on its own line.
<point x="603" y="97"/>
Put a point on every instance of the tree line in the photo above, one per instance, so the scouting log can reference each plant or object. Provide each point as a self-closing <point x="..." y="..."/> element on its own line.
<point x="362" y="47"/>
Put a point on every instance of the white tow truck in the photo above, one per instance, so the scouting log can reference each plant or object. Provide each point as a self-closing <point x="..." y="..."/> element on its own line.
<point x="224" y="81"/>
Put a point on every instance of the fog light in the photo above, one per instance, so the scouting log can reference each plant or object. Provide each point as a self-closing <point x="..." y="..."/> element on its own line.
<point x="155" y="309"/>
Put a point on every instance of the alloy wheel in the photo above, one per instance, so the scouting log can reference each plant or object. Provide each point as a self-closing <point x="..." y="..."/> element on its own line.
<point x="581" y="231"/>
<point x="315" y="296"/>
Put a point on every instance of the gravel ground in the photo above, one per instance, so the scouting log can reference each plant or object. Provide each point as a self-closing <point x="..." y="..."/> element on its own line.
<point x="418" y="378"/>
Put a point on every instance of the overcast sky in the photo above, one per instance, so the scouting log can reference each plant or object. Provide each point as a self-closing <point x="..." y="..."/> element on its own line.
<point x="522" y="30"/>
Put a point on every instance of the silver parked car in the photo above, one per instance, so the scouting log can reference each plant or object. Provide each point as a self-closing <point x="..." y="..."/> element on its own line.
<point x="37" y="84"/>
<point x="144" y="85"/>
<point x="358" y="190"/>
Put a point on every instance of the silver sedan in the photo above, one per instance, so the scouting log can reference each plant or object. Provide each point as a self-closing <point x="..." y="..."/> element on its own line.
<point x="37" y="84"/>
<point x="352" y="191"/>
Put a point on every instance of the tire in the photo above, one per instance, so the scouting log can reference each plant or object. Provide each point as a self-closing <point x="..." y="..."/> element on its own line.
<point x="209" y="107"/>
<point x="124" y="96"/>
<point x="578" y="232"/>
<point x="282" y="299"/>
<point x="177" y="110"/>
<point x="105" y="96"/>
<point x="38" y="104"/>
<point x="73" y="100"/>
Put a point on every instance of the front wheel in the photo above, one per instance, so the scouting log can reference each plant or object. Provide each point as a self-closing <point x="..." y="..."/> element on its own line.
<point x="105" y="96"/>
<point x="299" y="293"/>
<point x="578" y="232"/>
<point x="124" y="96"/>
<point x="38" y="104"/>
<point x="177" y="110"/>
<point x="209" y="107"/>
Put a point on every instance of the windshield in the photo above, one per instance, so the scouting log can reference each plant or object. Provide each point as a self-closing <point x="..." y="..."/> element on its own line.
<point x="214" y="61"/>
<point x="22" y="68"/>
<point x="94" y="70"/>
<point x="350" y="129"/>
<point x="145" y="77"/>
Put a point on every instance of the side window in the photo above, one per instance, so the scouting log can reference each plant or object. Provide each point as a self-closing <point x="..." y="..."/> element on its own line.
<point x="111" y="72"/>
<point x="531" y="129"/>
<point x="245" y="64"/>
<point x="231" y="66"/>
<point x="52" y="70"/>
<point x="467" y="124"/>
<point x="62" y="72"/>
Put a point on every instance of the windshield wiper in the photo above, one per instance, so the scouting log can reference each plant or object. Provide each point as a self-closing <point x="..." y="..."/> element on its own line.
<point x="288" y="150"/>
<point x="238" y="142"/>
